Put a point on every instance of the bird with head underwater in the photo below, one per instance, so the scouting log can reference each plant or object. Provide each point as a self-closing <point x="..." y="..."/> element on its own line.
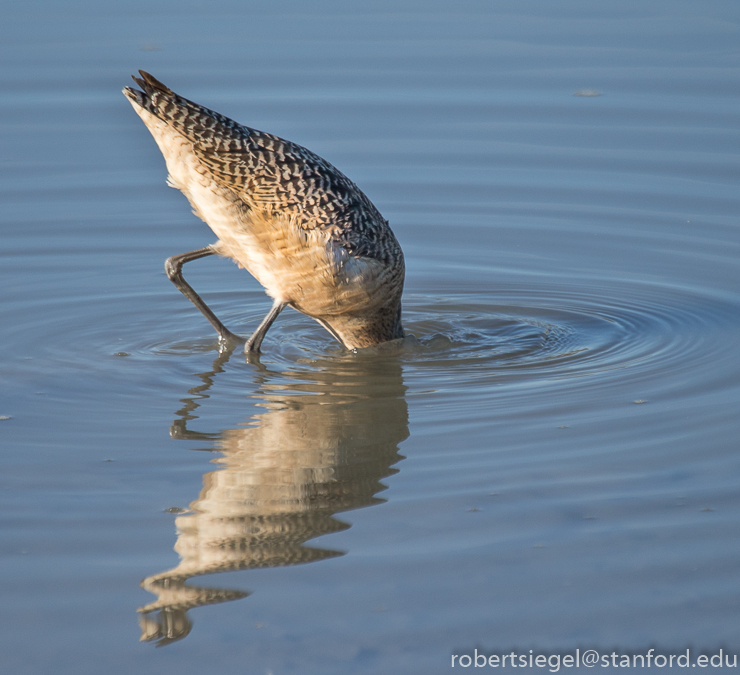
<point x="303" y="229"/>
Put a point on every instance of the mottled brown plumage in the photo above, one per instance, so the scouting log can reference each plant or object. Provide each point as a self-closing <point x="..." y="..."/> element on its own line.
<point x="303" y="229"/>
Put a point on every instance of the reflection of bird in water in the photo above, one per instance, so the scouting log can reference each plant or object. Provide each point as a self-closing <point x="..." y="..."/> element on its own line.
<point x="298" y="225"/>
<point x="321" y="447"/>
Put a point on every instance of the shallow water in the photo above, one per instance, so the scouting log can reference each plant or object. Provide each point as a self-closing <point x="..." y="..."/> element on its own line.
<point x="549" y="460"/>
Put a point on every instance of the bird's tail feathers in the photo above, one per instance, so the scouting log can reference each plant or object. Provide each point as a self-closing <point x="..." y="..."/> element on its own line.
<point x="185" y="115"/>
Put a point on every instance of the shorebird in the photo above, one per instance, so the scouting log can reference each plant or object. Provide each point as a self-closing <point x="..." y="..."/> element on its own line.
<point x="303" y="229"/>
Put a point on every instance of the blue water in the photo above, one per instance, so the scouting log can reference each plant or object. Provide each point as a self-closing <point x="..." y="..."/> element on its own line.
<point x="548" y="462"/>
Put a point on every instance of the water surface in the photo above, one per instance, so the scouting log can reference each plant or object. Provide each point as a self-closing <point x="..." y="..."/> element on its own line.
<point x="549" y="460"/>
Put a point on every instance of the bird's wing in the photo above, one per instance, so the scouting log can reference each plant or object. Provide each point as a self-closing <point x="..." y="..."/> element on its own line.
<point x="266" y="172"/>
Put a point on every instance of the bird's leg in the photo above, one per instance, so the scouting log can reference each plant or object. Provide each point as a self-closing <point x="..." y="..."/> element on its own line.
<point x="173" y="267"/>
<point x="254" y="342"/>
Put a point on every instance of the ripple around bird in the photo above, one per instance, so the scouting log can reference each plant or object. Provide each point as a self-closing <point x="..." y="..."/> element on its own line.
<point x="481" y="340"/>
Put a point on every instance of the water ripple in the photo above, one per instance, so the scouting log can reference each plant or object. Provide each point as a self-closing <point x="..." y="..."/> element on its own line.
<point x="471" y="340"/>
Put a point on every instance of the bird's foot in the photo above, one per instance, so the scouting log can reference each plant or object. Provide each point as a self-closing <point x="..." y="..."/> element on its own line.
<point x="228" y="341"/>
<point x="252" y="346"/>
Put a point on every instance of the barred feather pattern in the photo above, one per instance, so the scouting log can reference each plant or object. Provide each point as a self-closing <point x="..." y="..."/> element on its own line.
<point x="267" y="171"/>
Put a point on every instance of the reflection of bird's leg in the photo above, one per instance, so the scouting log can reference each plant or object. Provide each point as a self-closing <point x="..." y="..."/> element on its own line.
<point x="254" y="342"/>
<point x="173" y="267"/>
<point x="179" y="428"/>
